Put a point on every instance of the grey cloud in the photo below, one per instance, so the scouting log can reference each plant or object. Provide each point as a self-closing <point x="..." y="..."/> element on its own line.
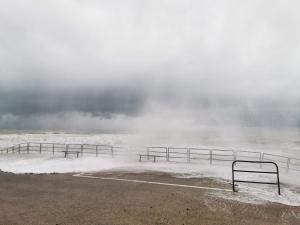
<point x="219" y="60"/>
<point x="102" y="103"/>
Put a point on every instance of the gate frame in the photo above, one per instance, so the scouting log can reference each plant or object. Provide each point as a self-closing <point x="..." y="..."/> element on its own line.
<point x="254" y="171"/>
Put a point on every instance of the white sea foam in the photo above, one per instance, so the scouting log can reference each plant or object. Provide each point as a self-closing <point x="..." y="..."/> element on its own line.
<point x="36" y="163"/>
<point x="287" y="147"/>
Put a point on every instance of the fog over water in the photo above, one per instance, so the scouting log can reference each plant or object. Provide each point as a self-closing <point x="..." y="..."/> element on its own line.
<point x="220" y="68"/>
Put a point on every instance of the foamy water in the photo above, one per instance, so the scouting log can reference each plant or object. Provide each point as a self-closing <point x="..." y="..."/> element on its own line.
<point x="282" y="143"/>
<point x="35" y="163"/>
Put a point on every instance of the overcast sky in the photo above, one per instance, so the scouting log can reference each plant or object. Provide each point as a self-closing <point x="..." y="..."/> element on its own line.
<point x="102" y="64"/>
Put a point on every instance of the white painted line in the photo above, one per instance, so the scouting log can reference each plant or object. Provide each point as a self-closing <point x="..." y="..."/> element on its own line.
<point x="151" y="182"/>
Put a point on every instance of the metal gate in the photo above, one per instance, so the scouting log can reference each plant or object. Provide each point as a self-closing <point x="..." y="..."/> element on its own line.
<point x="254" y="171"/>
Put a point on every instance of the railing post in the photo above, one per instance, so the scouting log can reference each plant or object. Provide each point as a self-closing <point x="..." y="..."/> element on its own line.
<point x="233" y="184"/>
<point x="27" y="148"/>
<point x="288" y="164"/>
<point x="188" y="155"/>
<point x="168" y="154"/>
<point x="261" y="158"/>
<point x="112" y="151"/>
<point x="81" y="150"/>
<point x="13" y="149"/>
<point x="148" y="153"/>
<point x="19" y="148"/>
<point x="210" y="156"/>
<point x="278" y="182"/>
<point x="53" y="149"/>
<point x="96" y="150"/>
<point x="40" y="148"/>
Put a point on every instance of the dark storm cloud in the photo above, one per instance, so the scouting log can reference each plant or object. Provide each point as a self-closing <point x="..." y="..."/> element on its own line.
<point x="100" y="103"/>
<point x="220" y="61"/>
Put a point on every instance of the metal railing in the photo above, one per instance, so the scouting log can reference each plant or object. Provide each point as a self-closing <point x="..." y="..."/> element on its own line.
<point x="160" y="153"/>
<point x="64" y="149"/>
<point x="213" y="156"/>
<point x="254" y="171"/>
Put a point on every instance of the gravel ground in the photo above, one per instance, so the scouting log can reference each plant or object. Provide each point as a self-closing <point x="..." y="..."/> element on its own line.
<point x="61" y="199"/>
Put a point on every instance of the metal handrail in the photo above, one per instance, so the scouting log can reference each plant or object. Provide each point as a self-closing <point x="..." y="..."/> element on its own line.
<point x="254" y="171"/>
<point x="214" y="155"/>
<point x="186" y="154"/>
<point x="61" y="148"/>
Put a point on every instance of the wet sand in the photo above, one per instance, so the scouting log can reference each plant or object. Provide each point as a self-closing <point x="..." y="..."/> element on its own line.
<point x="63" y="199"/>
